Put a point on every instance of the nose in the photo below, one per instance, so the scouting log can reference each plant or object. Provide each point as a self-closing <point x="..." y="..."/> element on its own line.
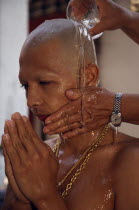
<point x="34" y="97"/>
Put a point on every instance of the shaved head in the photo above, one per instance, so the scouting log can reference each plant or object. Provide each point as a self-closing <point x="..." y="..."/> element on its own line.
<point x="63" y="34"/>
<point x="50" y="64"/>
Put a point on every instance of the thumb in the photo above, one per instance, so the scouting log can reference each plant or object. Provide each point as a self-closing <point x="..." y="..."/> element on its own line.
<point x="99" y="28"/>
<point x="73" y="94"/>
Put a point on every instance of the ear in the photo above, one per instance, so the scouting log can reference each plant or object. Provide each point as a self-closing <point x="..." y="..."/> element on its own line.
<point x="91" y="75"/>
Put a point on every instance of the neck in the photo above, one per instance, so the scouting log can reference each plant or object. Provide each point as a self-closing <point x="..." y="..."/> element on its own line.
<point x="80" y="143"/>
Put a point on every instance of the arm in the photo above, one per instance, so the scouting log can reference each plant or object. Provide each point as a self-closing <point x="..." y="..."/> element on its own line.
<point x="112" y="17"/>
<point x="130" y="108"/>
<point x="53" y="202"/>
<point x="99" y="113"/>
<point x="131" y="27"/>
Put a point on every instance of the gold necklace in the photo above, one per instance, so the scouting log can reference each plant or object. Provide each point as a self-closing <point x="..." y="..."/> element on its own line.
<point x="56" y="147"/>
<point x="86" y="156"/>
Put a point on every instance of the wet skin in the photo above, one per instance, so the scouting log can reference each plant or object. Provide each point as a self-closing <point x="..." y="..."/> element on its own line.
<point x="103" y="183"/>
<point x="112" y="168"/>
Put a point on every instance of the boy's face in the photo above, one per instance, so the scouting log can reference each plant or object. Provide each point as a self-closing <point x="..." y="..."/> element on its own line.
<point x="46" y="72"/>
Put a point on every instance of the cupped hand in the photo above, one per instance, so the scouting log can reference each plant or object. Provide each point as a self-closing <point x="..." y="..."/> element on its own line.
<point x="33" y="163"/>
<point x="86" y="112"/>
<point x="112" y="16"/>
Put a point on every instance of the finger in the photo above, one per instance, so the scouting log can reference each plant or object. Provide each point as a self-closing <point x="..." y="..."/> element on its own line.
<point x="99" y="28"/>
<point x="97" y="112"/>
<point x="11" y="152"/>
<point x="73" y="94"/>
<point x="11" y="178"/>
<point x="68" y="109"/>
<point x="40" y="145"/>
<point x="23" y="133"/>
<point x="66" y="128"/>
<point x="88" y="127"/>
<point x="62" y="122"/>
<point x="15" y="141"/>
<point x="75" y="132"/>
<point x="5" y="128"/>
<point x="31" y="132"/>
<point x="6" y="158"/>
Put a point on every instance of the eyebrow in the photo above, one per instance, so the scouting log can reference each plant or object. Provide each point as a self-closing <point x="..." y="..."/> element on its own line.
<point x="43" y="75"/>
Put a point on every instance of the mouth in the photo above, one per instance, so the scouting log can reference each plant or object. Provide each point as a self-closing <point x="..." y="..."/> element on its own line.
<point x="42" y="117"/>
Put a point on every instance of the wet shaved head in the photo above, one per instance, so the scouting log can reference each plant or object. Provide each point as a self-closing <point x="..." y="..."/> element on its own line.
<point x="50" y="64"/>
<point x="63" y="34"/>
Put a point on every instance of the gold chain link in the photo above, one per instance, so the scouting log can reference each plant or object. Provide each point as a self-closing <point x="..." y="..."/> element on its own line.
<point x="56" y="147"/>
<point x="85" y="155"/>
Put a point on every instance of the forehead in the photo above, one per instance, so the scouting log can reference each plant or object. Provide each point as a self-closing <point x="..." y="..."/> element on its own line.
<point x="51" y="56"/>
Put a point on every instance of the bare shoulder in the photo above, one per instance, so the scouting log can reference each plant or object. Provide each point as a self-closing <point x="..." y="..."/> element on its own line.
<point x="126" y="158"/>
<point x="128" y="149"/>
<point x="126" y="175"/>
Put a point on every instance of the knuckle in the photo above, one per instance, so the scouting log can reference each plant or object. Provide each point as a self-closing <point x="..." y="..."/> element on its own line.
<point x="28" y="164"/>
<point x="17" y="144"/>
<point x="23" y="135"/>
<point x="63" y="113"/>
<point x="69" y="127"/>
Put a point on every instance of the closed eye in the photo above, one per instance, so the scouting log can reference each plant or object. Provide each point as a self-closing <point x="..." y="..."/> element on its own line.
<point x="45" y="82"/>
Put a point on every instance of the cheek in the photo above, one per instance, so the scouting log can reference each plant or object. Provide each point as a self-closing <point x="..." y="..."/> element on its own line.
<point x="56" y="97"/>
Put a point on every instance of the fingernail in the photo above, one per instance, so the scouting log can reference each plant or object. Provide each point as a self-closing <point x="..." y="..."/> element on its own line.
<point x="6" y="137"/>
<point x="10" y="123"/>
<point x="48" y="121"/>
<point x="17" y="116"/>
<point x="70" y="92"/>
<point x="46" y="130"/>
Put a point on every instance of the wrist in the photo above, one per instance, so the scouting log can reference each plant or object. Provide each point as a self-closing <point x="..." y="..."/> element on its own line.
<point x="54" y="202"/>
<point x="46" y="202"/>
<point x="116" y="117"/>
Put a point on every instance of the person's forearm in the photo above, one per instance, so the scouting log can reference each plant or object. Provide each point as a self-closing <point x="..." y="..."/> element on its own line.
<point x="130" y="108"/>
<point x="54" y="202"/>
<point x="131" y="27"/>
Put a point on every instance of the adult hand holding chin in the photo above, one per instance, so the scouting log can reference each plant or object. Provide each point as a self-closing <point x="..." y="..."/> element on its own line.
<point x="33" y="163"/>
<point x="86" y="112"/>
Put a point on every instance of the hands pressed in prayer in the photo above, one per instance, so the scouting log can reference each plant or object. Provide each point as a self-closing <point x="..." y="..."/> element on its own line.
<point x="9" y="173"/>
<point x="72" y="120"/>
<point x="31" y="166"/>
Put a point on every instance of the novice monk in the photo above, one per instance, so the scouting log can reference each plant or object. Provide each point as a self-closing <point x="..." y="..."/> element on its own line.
<point x="106" y="175"/>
